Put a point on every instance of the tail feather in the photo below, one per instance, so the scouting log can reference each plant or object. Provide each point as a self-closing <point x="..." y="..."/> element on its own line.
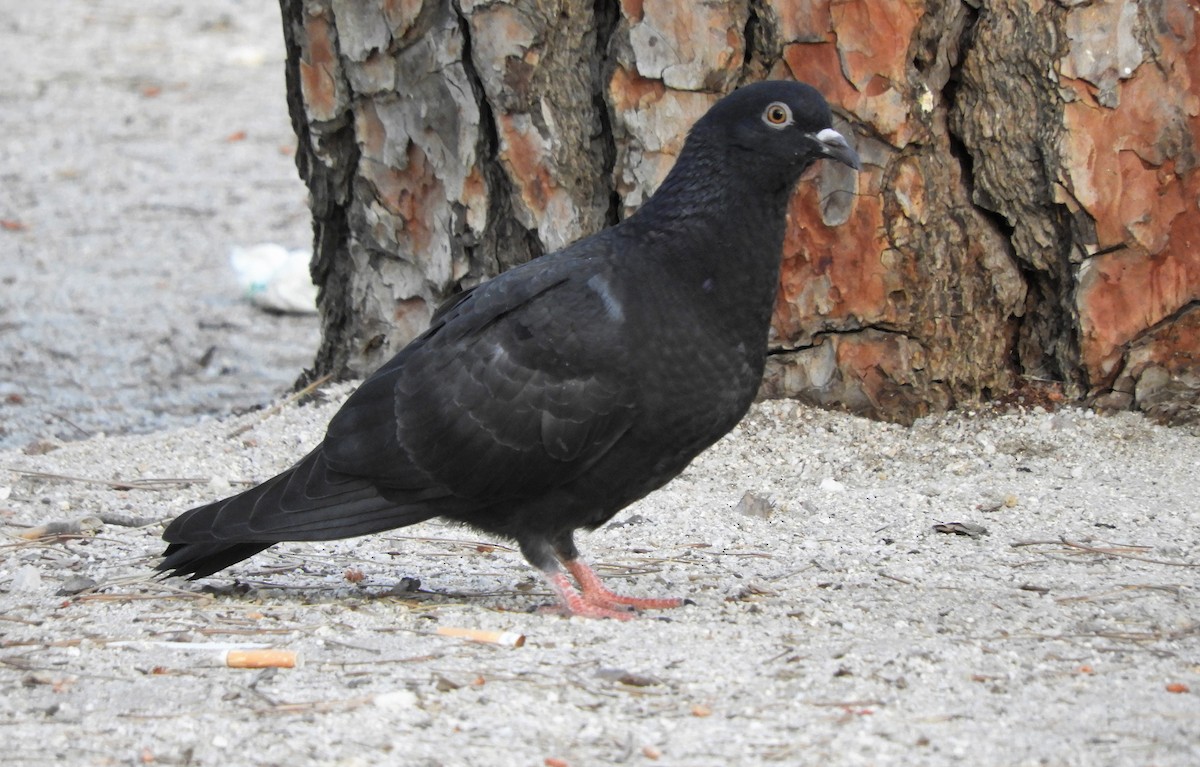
<point x="197" y="560"/>
<point x="308" y="502"/>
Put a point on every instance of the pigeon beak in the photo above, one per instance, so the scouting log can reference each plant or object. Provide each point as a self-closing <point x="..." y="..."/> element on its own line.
<point x="834" y="146"/>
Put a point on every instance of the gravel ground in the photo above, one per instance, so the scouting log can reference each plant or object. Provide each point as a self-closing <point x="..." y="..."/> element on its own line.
<point x="138" y="144"/>
<point x="832" y="623"/>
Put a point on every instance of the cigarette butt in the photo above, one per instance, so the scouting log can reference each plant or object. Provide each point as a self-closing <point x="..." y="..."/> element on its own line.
<point x="505" y="638"/>
<point x="262" y="658"/>
<point x="72" y="527"/>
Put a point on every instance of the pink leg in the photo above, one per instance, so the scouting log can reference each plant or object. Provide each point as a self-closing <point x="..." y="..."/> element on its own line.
<point x="596" y="593"/>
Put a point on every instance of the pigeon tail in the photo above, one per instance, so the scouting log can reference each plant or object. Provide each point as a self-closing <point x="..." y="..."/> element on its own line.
<point x="305" y="503"/>
<point x="197" y="560"/>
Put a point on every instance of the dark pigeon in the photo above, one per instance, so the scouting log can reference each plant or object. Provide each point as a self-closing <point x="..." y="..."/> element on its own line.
<point x="554" y="395"/>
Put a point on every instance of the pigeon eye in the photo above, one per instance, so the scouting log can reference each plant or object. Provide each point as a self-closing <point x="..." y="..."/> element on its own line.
<point x="777" y="115"/>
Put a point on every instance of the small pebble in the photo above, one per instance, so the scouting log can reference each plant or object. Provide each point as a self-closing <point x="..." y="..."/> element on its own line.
<point x="754" y="505"/>
<point x="75" y="584"/>
<point x="397" y="700"/>
<point x="831" y="485"/>
<point x="25" y="579"/>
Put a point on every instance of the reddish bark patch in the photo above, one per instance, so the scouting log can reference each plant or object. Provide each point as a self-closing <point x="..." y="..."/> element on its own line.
<point x="412" y="193"/>
<point x="525" y="153"/>
<point x="872" y="373"/>
<point x="1120" y="295"/>
<point x="881" y="102"/>
<point x="370" y="131"/>
<point x="817" y="64"/>
<point x="833" y="276"/>
<point x="401" y="15"/>
<point x="873" y="38"/>
<point x="411" y="316"/>
<point x="1134" y="170"/>
<point x="318" y="70"/>
<point x="803" y="21"/>
<point x="474" y="197"/>
<point x="633" y="10"/>
<point x="630" y="92"/>
<point x="1117" y="164"/>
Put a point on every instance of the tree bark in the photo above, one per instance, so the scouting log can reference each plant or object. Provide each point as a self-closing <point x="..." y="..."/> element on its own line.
<point x="1026" y="218"/>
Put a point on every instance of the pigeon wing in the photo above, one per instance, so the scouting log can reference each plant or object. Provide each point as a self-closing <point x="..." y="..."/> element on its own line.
<point x="517" y="387"/>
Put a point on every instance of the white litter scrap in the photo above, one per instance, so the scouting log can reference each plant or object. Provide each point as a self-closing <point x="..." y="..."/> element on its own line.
<point x="274" y="278"/>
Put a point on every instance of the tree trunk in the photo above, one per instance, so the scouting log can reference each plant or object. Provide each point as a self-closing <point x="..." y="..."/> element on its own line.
<point x="1026" y="218"/>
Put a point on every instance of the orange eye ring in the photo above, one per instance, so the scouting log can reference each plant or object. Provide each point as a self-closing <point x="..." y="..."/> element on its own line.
<point x="777" y="114"/>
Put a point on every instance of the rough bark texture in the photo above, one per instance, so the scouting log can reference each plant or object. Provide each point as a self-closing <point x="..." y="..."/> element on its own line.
<point x="1027" y="210"/>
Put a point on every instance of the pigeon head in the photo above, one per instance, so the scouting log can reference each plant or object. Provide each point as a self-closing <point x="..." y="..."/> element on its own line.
<point x="774" y="130"/>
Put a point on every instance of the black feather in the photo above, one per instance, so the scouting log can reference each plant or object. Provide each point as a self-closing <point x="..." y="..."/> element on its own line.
<point x="550" y="397"/>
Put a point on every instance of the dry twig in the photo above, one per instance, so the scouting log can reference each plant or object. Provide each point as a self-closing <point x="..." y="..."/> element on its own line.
<point x="1124" y="552"/>
<point x="153" y="483"/>
<point x="280" y="406"/>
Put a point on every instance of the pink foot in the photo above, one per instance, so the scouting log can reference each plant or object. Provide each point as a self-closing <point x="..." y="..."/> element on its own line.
<point x="596" y="600"/>
<point x="595" y="592"/>
<point x="571" y="602"/>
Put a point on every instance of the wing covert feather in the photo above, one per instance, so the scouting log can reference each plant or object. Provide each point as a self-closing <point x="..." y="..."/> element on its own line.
<point x="515" y="388"/>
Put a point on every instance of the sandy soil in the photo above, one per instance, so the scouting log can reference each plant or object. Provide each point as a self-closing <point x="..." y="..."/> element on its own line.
<point x="832" y="623"/>
<point x="138" y="144"/>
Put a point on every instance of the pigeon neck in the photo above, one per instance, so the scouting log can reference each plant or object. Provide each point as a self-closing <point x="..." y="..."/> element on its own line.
<point x="712" y="186"/>
<point x="722" y="219"/>
<point x="717" y="237"/>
